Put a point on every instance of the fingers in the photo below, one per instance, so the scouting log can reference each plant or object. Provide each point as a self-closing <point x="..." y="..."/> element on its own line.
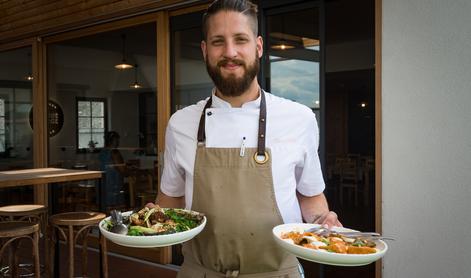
<point x="329" y="219"/>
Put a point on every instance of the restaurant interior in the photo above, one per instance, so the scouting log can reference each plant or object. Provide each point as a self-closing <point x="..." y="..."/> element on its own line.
<point x="112" y="86"/>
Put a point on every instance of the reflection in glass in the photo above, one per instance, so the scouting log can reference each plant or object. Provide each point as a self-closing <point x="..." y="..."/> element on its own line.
<point x="97" y="101"/>
<point x="293" y="46"/>
<point x="191" y="82"/>
<point x="16" y="135"/>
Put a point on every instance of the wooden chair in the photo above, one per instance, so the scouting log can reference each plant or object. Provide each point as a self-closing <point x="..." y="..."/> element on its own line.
<point x="11" y="232"/>
<point x="141" y="187"/>
<point x="349" y="180"/>
<point x="368" y="168"/>
<point x="71" y="227"/>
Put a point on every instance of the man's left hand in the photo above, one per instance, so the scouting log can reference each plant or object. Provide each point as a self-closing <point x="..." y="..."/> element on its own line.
<point x="328" y="219"/>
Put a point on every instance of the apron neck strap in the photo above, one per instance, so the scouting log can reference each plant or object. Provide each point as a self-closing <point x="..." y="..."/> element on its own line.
<point x="262" y="124"/>
<point x="201" y="127"/>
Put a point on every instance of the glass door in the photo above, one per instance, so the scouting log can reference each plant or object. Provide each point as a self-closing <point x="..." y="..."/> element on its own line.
<point x="320" y="54"/>
<point x="16" y="133"/>
<point x="103" y="91"/>
<point x="292" y="55"/>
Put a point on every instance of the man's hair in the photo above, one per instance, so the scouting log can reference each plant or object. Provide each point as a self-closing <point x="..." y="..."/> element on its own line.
<point x="242" y="6"/>
<point x="110" y="136"/>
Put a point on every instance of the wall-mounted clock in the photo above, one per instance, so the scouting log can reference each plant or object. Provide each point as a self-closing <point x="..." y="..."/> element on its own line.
<point x="55" y="118"/>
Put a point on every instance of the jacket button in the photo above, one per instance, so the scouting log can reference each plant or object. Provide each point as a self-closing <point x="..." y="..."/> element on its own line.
<point x="209" y="113"/>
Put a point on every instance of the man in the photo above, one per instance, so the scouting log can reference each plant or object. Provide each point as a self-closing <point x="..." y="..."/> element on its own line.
<point x="245" y="158"/>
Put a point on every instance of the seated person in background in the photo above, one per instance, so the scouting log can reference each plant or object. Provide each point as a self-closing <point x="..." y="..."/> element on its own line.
<point x="114" y="168"/>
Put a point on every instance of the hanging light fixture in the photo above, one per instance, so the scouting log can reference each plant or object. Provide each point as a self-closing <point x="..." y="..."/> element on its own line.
<point x="123" y="65"/>
<point x="136" y="84"/>
<point x="282" y="39"/>
<point x="29" y="76"/>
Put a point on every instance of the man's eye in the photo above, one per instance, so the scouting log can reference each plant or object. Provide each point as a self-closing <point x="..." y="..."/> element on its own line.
<point x="241" y="40"/>
<point x="217" y="42"/>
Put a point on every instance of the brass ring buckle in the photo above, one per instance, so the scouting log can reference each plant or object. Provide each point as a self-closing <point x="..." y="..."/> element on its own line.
<point x="266" y="157"/>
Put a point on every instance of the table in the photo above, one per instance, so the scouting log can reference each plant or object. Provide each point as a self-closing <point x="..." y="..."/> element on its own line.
<point x="49" y="176"/>
<point x="40" y="176"/>
<point x="44" y="175"/>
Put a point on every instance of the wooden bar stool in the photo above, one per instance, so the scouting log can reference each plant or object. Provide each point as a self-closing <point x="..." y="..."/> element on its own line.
<point x="72" y="226"/>
<point x="27" y="212"/>
<point x="32" y="213"/>
<point x="11" y="232"/>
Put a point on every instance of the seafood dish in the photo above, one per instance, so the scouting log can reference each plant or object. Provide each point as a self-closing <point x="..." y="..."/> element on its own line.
<point x="332" y="242"/>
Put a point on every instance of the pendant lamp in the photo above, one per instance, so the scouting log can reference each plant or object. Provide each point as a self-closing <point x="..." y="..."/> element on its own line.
<point x="136" y="84"/>
<point x="29" y="76"/>
<point x="123" y="65"/>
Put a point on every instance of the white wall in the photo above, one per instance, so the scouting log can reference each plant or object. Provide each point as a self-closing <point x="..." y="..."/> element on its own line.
<point x="426" y="147"/>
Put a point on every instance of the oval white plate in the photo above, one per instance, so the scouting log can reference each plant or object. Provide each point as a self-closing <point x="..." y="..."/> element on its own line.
<point x="324" y="257"/>
<point x="150" y="241"/>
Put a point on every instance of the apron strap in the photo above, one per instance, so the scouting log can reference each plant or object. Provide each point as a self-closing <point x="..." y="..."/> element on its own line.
<point x="261" y="156"/>
<point x="262" y="125"/>
<point x="201" y="128"/>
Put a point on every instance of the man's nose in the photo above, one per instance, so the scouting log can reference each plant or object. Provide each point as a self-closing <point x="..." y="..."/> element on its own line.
<point x="230" y="50"/>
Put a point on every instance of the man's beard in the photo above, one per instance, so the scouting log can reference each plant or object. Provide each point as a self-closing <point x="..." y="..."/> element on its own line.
<point x="232" y="86"/>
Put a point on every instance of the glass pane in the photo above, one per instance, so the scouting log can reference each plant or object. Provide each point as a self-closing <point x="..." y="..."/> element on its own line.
<point x="16" y="135"/>
<point x="84" y="124"/>
<point x="293" y="47"/>
<point x="98" y="138"/>
<point x="96" y="98"/>
<point x="98" y="109"/>
<point x="191" y="81"/>
<point x="2" y="143"/>
<point x="84" y="139"/>
<point x="84" y="108"/>
<point x="98" y="123"/>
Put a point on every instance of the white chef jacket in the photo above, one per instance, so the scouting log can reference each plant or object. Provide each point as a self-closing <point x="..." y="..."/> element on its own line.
<point x="292" y="136"/>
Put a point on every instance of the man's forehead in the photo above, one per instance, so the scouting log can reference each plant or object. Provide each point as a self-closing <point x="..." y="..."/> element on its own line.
<point x="229" y="23"/>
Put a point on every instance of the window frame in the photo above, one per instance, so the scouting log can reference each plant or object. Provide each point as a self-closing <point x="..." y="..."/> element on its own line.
<point x="105" y="117"/>
<point x="3" y="134"/>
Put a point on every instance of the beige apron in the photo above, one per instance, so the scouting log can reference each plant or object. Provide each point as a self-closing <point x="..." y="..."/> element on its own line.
<point x="237" y="196"/>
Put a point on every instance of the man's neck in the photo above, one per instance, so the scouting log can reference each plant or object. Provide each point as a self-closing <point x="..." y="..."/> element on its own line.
<point x="250" y="95"/>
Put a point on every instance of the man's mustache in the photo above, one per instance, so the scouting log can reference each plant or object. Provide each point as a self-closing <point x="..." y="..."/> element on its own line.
<point x="224" y="62"/>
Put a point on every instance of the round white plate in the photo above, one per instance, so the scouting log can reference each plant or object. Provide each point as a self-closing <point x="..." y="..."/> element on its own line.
<point x="150" y="241"/>
<point x="321" y="256"/>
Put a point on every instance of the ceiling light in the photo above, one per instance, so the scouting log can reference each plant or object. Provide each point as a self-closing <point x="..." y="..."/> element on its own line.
<point x="123" y="65"/>
<point x="282" y="46"/>
<point x="29" y="76"/>
<point x="136" y="84"/>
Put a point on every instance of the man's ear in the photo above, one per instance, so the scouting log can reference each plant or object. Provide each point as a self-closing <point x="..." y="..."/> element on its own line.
<point x="203" y="49"/>
<point x="260" y="46"/>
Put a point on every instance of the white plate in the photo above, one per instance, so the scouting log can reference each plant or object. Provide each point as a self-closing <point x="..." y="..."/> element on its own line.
<point x="150" y="241"/>
<point x="324" y="257"/>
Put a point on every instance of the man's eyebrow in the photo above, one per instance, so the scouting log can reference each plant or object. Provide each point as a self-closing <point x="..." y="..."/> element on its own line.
<point x="216" y="37"/>
<point x="241" y="35"/>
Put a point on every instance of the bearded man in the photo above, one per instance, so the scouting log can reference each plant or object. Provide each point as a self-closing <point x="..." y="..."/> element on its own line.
<point x="245" y="158"/>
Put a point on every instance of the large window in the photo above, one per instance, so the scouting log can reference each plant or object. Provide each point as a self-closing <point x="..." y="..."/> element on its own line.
<point x="91" y="126"/>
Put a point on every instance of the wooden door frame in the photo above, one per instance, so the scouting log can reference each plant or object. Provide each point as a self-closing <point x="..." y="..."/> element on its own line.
<point x="160" y="18"/>
<point x="378" y="128"/>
